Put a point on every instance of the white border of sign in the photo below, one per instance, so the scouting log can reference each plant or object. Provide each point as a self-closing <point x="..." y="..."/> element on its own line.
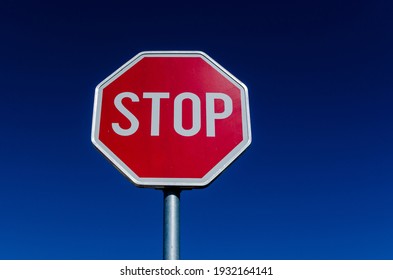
<point x="170" y="182"/>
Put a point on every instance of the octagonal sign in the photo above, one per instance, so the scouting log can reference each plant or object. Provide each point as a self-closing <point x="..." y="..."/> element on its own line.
<point x="171" y="118"/>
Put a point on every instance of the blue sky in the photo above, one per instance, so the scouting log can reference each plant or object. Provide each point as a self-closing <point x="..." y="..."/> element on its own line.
<point x="316" y="182"/>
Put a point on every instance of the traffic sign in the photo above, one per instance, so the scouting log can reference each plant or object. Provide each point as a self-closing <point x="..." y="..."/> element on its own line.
<point x="171" y="118"/>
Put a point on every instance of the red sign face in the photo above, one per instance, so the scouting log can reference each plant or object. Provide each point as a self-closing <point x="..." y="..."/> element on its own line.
<point x="171" y="119"/>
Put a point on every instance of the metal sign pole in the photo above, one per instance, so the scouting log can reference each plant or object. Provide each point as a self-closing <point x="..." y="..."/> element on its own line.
<point x="171" y="224"/>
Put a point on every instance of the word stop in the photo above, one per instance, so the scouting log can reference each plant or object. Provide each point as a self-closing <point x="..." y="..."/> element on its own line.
<point x="156" y="97"/>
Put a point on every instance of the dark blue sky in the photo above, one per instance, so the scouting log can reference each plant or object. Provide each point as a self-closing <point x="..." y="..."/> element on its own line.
<point x="316" y="182"/>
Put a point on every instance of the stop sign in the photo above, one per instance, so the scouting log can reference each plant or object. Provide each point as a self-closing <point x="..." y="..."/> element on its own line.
<point x="171" y="119"/>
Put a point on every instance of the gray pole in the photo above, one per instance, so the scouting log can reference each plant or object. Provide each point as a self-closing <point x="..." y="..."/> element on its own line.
<point x="171" y="224"/>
